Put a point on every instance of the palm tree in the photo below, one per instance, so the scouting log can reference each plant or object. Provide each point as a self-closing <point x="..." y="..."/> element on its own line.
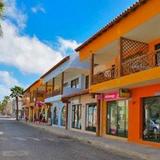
<point x="4" y="103"/>
<point x="16" y="92"/>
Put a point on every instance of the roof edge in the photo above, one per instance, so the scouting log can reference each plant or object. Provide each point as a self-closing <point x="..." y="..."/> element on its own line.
<point x="132" y="8"/>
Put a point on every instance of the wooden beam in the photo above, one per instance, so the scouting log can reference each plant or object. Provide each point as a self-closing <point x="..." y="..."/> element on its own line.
<point x="62" y="82"/>
<point x="98" y="118"/>
<point x="46" y="89"/>
<point x="53" y="82"/>
<point x="66" y="115"/>
<point x="92" y="68"/>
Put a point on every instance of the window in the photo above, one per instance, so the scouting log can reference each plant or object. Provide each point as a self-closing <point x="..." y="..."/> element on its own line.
<point x="117" y="118"/>
<point x="63" y="116"/>
<point x="151" y="129"/>
<point x="76" y="116"/>
<point x="87" y="82"/>
<point x="55" y="116"/>
<point x="74" y="83"/>
<point x="91" y="117"/>
<point x="157" y="49"/>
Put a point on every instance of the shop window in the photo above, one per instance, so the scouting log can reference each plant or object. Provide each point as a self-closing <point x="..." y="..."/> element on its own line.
<point x="63" y="116"/>
<point x="76" y="116"/>
<point x="91" y="117"/>
<point x="151" y="131"/>
<point x="157" y="49"/>
<point x="117" y="118"/>
<point x="87" y="82"/>
<point x="55" y="116"/>
<point x="75" y="83"/>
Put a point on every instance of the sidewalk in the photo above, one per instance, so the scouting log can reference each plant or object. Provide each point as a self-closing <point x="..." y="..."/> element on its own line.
<point x="131" y="149"/>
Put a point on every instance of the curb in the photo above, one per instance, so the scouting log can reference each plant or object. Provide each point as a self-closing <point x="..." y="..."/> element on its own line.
<point x="96" y="144"/>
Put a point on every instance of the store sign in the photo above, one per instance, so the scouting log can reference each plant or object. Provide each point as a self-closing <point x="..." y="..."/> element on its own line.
<point x="124" y="93"/>
<point x="111" y="96"/>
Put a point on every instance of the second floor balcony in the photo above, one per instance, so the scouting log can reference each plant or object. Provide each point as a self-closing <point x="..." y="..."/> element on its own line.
<point x="134" y="57"/>
<point x="131" y="65"/>
<point x="53" y="93"/>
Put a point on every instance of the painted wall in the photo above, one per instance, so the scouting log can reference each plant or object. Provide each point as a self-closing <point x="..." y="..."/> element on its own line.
<point x="136" y="112"/>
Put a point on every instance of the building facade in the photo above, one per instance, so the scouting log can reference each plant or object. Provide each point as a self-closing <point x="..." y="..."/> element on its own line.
<point x="125" y="73"/>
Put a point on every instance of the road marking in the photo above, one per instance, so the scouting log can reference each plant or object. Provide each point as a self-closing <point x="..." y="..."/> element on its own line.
<point x="35" y="139"/>
<point x="1" y="133"/>
<point x="49" y="139"/>
<point x="15" y="153"/>
<point x="19" y="138"/>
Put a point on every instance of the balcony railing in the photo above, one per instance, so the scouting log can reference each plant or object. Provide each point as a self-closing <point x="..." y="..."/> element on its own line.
<point x="54" y="93"/>
<point x="140" y="63"/>
<point x="131" y="65"/>
<point x="106" y="75"/>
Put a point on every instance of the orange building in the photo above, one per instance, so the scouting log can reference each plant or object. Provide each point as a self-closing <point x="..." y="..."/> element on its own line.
<point x="33" y="99"/>
<point x="125" y="73"/>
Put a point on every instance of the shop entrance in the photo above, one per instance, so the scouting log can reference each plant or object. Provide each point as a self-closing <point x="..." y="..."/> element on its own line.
<point x="117" y="118"/>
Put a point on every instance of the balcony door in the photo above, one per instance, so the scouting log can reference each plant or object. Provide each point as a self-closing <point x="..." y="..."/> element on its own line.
<point x="117" y="118"/>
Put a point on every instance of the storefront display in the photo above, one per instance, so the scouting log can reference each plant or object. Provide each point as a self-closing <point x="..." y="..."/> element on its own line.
<point x="55" y="116"/>
<point x="76" y="116"/>
<point x="63" y="116"/>
<point x="117" y="118"/>
<point x="91" y="116"/>
<point x="151" y="131"/>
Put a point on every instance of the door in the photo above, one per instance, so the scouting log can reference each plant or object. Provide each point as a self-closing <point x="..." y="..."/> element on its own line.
<point x="117" y="117"/>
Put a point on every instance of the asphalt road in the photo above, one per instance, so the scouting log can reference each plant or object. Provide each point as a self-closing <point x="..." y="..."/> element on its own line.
<point x="22" y="142"/>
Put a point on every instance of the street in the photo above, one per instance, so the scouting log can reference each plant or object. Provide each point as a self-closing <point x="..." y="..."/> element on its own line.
<point x="19" y="141"/>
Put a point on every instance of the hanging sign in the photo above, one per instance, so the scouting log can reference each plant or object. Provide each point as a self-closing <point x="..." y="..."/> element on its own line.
<point x="124" y="93"/>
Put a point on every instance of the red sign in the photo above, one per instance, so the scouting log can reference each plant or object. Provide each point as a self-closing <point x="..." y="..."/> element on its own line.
<point x="111" y="96"/>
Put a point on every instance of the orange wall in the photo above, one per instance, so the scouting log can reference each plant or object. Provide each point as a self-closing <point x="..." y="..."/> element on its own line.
<point x="136" y="112"/>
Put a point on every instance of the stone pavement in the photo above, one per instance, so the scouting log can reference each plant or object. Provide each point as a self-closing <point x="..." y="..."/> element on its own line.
<point x="131" y="149"/>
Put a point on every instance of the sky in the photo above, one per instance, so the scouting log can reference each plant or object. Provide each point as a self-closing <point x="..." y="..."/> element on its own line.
<point x="39" y="33"/>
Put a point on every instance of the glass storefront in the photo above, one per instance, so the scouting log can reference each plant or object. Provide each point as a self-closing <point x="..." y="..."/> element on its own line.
<point x="117" y="118"/>
<point x="55" y="116"/>
<point x="63" y="116"/>
<point x="76" y="116"/>
<point x="91" y="116"/>
<point x="151" y="129"/>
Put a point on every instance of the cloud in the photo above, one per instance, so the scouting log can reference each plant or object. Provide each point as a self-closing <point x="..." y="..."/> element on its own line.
<point x="7" y="81"/>
<point x="15" y="15"/>
<point x="67" y="46"/>
<point x="38" y="8"/>
<point x="26" y="53"/>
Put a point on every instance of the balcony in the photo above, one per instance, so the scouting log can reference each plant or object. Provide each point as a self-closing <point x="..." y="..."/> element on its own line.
<point x="53" y="93"/>
<point x="69" y="91"/>
<point x="135" y="63"/>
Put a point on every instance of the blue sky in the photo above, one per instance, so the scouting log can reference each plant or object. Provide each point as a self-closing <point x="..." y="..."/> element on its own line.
<point x="38" y="33"/>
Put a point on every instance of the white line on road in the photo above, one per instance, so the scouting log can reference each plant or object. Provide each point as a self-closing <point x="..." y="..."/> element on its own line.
<point x="19" y="138"/>
<point x="35" y="139"/>
<point x="14" y="153"/>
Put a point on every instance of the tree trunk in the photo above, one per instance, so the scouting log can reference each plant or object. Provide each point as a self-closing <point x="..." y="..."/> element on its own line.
<point x="17" y="109"/>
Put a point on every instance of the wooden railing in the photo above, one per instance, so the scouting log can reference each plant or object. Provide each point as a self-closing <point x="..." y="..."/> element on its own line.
<point x="54" y="93"/>
<point x="140" y="63"/>
<point x="106" y="75"/>
<point x="137" y="63"/>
